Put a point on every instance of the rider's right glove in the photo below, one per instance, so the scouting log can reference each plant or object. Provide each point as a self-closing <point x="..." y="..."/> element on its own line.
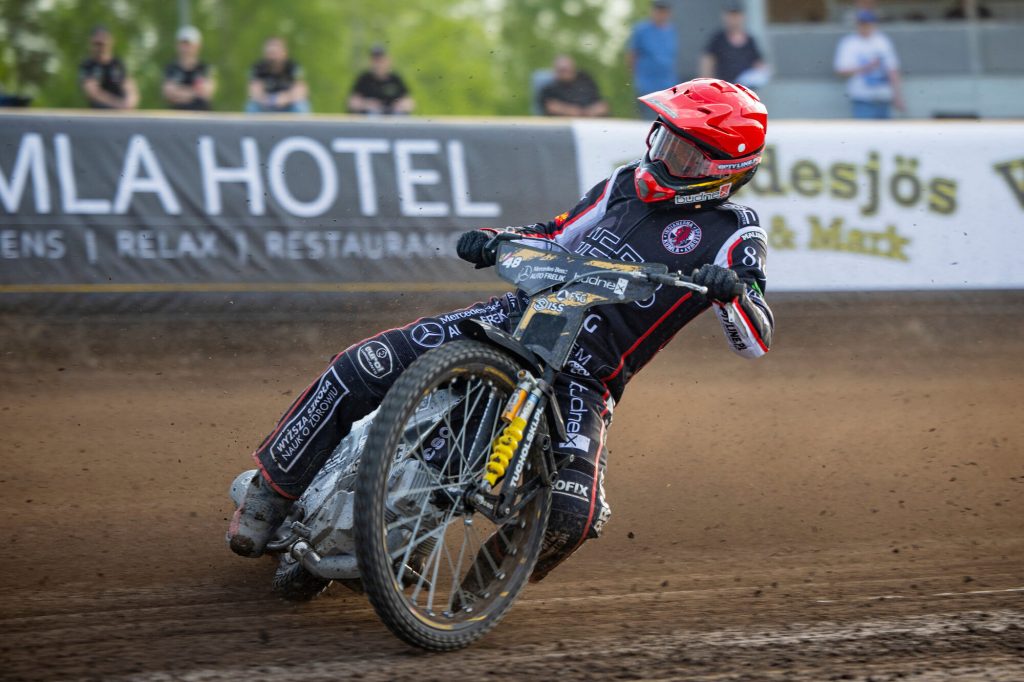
<point x="722" y="283"/>
<point x="472" y="247"/>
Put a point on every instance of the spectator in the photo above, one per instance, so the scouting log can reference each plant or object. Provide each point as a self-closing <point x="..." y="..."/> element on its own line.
<point x="277" y="83"/>
<point x="11" y="100"/>
<point x="959" y="11"/>
<point x="572" y="92"/>
<point x="187" y="81"/>
<point x="651" y="55"/>
<point x="103" y="79"/>
<point x="849" y="17"/>
<point x="379" y="90"/>
<point x="732" y="53"/>
<point x="869" y="62"/>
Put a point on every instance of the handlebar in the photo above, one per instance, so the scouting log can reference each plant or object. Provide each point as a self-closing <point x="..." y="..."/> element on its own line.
<point x="671" y="279"/>
<point x="678" y="279"/>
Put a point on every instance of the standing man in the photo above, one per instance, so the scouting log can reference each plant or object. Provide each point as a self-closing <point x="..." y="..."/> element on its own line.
<point x="187" y="81"/>
<point x="572" y="92"/>
<point x="732" y="53"/>
<point x="102" y="76"/>
<point x="868" y="61"/>
<point x="277" y="84"/>
<point x="651" y="55"/>
<point x="379" y="90"/>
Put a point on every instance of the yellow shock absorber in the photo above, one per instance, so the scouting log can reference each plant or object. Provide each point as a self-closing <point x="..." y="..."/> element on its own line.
<point x="503" y="449"/>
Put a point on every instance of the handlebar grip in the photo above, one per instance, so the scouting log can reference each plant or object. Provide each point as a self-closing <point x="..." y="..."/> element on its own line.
<point x="738" y="289"/>
<point x="670" y="279"/>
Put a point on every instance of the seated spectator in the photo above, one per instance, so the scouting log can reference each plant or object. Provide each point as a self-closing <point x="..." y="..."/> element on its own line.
<point x="379" y="90"/>
<point x="732" y="53"/>
<point x="187" y="81"/>
<point x="102" y="76"/>
<point x="11" y="100"/>
<point x="572" y="92"/>
<point x="276" y="83"/>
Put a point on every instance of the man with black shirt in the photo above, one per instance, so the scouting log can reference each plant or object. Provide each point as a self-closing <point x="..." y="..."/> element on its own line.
<point x="277" y="84"/>
<point x="103" y="79"/>
<point x="187" y="81"/>
<point x="379" y="90"/>
<point x="732" y="53"/>
<point x="572" y="92"/>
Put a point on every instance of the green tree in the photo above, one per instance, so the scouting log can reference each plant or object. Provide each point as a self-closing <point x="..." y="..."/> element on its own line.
<point x="461" y="57"/>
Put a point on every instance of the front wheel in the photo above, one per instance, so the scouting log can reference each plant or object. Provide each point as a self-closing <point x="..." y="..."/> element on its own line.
<point x="438" y="573"/>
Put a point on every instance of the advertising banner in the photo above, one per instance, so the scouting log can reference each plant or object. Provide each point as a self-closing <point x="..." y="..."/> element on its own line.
<point x="153" y="213"/>
<point x="868" y="206"/>
<point x="104" y="206"/>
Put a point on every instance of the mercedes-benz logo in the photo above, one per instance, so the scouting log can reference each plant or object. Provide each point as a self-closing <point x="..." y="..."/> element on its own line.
<point x="428" y="334"/>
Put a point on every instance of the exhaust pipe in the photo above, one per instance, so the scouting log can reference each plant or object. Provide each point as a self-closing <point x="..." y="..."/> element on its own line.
<point x="338" y="567"/>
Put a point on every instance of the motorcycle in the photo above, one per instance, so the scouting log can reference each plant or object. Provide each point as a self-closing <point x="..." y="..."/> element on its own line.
<point x="435" y="505"/>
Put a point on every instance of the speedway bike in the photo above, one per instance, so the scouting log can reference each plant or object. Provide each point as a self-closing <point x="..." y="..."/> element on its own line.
<point x="435" y="505"/>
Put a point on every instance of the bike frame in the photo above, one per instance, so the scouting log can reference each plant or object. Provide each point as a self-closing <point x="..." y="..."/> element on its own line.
<point x="562" y="289"/>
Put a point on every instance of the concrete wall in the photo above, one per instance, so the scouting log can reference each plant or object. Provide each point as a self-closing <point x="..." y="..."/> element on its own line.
<point x="927" y="96"/>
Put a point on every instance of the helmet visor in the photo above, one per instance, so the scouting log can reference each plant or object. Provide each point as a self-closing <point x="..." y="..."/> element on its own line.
<point x="684" y="159"/>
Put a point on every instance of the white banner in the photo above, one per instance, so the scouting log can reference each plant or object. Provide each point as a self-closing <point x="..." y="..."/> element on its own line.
<point x="871" y="205"/>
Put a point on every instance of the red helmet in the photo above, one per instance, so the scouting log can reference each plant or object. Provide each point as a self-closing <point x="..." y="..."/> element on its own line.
<point x="705" y="144"/>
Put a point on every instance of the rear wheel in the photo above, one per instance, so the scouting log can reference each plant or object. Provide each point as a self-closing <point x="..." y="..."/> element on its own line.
<point x="439" y="573"/>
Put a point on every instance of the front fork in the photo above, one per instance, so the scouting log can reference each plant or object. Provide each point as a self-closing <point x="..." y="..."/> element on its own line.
<point x="522" y="416"/>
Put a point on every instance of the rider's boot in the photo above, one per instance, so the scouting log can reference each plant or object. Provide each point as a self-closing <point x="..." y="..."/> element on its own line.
<point x="260" y="512"/>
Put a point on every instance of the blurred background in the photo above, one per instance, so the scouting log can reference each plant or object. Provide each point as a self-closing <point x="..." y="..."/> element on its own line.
<point x="202" y="201"/>
<point x="478" y="57"/>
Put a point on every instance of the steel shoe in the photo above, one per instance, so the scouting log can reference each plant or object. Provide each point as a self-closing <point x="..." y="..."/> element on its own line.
<point x="260" y="512"/>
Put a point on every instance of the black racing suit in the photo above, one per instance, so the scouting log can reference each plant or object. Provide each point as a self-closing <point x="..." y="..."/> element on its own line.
<point x="616" y="341"/>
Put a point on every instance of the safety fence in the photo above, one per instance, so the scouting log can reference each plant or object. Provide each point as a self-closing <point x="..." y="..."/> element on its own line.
<point x="112" y="213"/>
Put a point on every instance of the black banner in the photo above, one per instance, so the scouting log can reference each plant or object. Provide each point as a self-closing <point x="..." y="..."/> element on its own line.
<point x="112" y="212"/>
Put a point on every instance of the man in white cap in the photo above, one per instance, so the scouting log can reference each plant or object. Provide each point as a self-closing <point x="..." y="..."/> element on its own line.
<point x="188" y="83"/>
<point x="868" y="60"/>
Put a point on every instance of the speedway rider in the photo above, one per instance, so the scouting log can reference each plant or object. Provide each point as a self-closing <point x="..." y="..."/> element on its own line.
<point x="672" y="207"/>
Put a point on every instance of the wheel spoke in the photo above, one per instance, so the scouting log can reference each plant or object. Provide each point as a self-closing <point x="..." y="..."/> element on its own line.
<point x="430" y="559"/>
<point x="414" y="543"/>
<point x="486" y="552"/>
<point x="438" y="548"/>
<point x="457" y="572"/>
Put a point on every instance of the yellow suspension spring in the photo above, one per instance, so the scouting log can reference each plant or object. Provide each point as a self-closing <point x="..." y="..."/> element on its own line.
<point x="503" y="449"/>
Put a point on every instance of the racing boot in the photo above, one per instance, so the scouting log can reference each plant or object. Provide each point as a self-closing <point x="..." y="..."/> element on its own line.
<point x="260" y="512"/>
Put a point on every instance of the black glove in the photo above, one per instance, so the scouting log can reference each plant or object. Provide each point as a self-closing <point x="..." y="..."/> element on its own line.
<point x="471" y="247"/>
<point x="723" y="284"/>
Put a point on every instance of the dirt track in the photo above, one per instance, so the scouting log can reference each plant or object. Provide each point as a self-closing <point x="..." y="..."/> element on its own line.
<point x="850" y="507"/>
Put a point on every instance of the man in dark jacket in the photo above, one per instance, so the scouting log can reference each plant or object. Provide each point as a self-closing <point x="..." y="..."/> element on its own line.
<point x="379" y="90"/>
<point x="732" y="54"/>
<point x="277" y="83"/>
<point x="572" y="92"/>
<point x="670" y="207"/>
<point x="104" y="80"/>
<point x="188" y="82"/>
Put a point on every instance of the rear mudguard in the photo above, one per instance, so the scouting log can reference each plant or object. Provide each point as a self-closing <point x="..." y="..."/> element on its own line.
<point x="493" y="336"/>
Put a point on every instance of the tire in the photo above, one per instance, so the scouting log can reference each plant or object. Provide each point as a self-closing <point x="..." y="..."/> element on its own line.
<point x="477" y="602"/>
<point x="292" y="582"/>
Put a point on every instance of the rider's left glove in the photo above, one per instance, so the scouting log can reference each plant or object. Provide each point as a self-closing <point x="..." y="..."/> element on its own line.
<point x="472" y="247"/>
<point x="722" y="283"/>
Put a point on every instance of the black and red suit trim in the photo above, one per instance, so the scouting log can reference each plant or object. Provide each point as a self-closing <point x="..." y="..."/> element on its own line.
<point x="615" y="343"/>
